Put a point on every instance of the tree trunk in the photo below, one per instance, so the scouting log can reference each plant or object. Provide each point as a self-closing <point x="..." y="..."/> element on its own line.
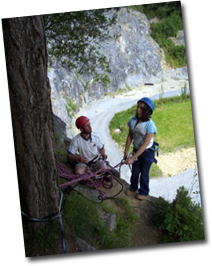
<point x="32" y="118"/>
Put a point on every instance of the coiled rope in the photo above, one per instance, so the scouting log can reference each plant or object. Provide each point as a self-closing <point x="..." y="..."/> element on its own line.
<point x="93" y="180"/>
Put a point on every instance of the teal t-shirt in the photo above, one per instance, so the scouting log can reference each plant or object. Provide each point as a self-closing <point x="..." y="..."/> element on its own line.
<point x="139" y="130"/>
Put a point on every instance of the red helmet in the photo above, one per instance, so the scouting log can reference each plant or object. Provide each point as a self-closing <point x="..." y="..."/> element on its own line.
<point x="81" y="121"/>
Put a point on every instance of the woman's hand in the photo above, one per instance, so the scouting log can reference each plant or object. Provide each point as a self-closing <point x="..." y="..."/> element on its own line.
<point x="129" y="161"/>
<point x="125" y="155"/>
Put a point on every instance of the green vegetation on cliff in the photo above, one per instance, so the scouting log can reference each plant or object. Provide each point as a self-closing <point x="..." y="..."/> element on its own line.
<point x="169" y="22"/>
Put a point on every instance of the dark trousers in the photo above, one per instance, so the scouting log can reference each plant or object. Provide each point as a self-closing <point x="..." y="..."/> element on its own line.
<point x="140" y="169"/>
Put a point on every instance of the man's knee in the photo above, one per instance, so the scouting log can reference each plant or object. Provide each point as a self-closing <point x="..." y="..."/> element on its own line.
<point x="79" y="170"/>
<point x="103" y="167"/>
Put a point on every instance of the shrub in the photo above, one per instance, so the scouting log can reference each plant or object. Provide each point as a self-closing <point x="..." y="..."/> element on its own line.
<point x="181" y="220"/>
<point x="70" y="105"/>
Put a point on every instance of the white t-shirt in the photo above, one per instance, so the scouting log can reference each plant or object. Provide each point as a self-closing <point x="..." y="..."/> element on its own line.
<point x="86" y="147"/>
<point x="140" y="130"/>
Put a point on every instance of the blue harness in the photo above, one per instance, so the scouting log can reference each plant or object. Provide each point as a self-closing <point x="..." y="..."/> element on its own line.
<point x="146" y="154"/>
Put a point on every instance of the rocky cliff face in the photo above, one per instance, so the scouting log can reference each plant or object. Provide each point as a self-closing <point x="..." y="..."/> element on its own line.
<point x="134" y="60"/>
<point x="179" y="39"/>
<point x="134" y="55"/>
<point x="64" y="85"/>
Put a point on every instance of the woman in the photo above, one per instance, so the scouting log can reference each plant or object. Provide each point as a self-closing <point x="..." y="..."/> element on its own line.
<point x="141" y="131"/>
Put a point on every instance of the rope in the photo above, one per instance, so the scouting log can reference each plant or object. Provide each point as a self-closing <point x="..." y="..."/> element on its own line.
<point x="92" y="179"/>
<point x="51" y="217"/>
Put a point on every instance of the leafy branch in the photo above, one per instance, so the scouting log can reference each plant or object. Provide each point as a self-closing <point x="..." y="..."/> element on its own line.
<point x="74" y="39"/>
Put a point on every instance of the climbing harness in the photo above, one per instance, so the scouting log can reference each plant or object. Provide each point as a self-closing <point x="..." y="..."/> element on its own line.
<point x="154" y="148"/>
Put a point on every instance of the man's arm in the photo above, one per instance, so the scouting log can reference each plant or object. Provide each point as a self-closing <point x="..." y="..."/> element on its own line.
<point x="102" y="152"/>
<point x="78" y="158"/>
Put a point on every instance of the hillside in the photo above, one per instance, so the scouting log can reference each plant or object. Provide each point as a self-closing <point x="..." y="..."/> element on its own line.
<point x="118" y="222"/>
<point x="143" y="231"/>
<point x="135" y="59"/>
<point x="167" y="30"/>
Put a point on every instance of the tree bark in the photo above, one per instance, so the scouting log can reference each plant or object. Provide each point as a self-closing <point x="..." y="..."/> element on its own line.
<point x="32" y="117"/>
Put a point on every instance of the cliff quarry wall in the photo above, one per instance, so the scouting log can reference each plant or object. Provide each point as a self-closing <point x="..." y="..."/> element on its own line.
<point x="134" y="60"/>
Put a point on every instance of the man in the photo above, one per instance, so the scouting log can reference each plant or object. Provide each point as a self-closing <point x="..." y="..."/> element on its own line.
<point x="86" y="149"/>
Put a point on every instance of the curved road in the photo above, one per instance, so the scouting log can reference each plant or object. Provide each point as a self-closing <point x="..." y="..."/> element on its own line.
<point x="102" y="111"/>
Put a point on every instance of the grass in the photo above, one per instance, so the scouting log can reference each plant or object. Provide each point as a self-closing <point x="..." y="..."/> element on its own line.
<point x="82" y="217"/>
<point x="43" y="240"/>
<point x="175" y="125"/>
<point x="173" y="119"/>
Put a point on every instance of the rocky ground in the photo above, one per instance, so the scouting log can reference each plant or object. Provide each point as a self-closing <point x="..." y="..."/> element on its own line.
<point x="174" y="163"/>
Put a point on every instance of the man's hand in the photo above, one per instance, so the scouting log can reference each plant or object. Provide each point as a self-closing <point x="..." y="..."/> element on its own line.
<point x="102" y="152"/>
<point x="82" y="159"/>
<point x="104" y="156"/>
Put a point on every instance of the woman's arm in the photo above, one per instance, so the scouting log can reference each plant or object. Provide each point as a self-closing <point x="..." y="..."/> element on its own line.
<point x="128" y="142"/>
<point x="141" y="149"/>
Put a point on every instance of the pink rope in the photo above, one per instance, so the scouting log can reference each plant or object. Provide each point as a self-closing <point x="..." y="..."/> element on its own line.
<point x="65" y="173"/>
<point x="87" y="176"/>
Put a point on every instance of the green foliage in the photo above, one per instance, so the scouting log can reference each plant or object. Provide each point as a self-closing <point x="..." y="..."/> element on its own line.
<point x="162" y="10"/>
<point x="78" y="76"/>
<point x="73" y="38"/>
<point x="169" y="26"/>
<point x="125" y="222"/>
<point x="42" y="238"/>
<point x="104" y="78"/>
<point x="184" y="92"/>
<point x="82" y="216"/>
<point x="70" y="105"/>
<point x="170" y="15"/>
<point x="169" y="101"/>
<point x="180" y="220"/>
<point x="85" y="85"/>
<point x="139" y="8"/>
<point x="128" y="87"/>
